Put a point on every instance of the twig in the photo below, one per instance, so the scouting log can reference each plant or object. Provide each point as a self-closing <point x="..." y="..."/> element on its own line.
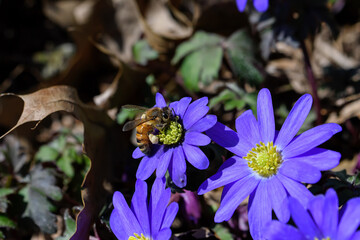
<point x="311" y="78"/>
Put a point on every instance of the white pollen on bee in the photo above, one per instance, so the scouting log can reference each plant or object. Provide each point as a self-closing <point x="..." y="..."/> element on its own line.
<point x="143" y="116"/>
<point x="153" y="139"/>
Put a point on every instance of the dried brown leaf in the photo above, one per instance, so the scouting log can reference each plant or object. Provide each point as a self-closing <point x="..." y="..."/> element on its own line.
<point x="100" y="144"/>
<point x="348" y="111"/>
<point x="164" y="24"/>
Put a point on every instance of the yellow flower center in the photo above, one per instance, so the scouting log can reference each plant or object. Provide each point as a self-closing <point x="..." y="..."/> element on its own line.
<point x="171" y="134"/>
<point x="328" y="238"/>
<point x="137" y="237"/>
<point x="265" y="160"/>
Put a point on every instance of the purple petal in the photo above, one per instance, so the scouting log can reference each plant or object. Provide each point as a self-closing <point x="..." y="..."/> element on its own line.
<point x="160" y="101"/>
<point x="195" y="112"/>
<point x="124" y="217"/>
<point x="322" y="159"/>
<point x="294" y="121"/>
<point x="261" y="5"/>
<point x="300" y="171"/>
<point x="159" y="200"/>
<point x="197" y="139"/>
<point x="192" y="117"/>
<point x="350" y="220"/>
<point x="231" y="170"/>
<point x="137" y="153"/>
<point x="265" y="114"/>
<point x="356" y="236"/>
<point x="259" y="210"/>
<point x="316" y="206"/>
<point x="146" y="167"/>
<point x="303" y="220"/>
<point x="164" y="163"/>
<point x="158" y="214"/>
<point x="157" y="190"/>
<point x="241" y="5"/>
<point x="276" y="230"/>
<point x="279" y="199"/>
<point x="182" y="106"/>
<point x="229" y="139"/>
<point x="310" y="139"/>
<point x="234" y="196"/>
<point x="178" y="168"/>
<point x="204" y="124"/>
<point x="139" y="205"/>
<point x="248" y="128"/>
<point x="170" y="215"/>
<point x="164" y="234"/>
<point x="296" y="189"/>
<point x="116" y="226"/>
<point x="174" y="105"/>
<point x="225" y="190"/>
<point x="330" y="212"/>
<point x="195" y="156"/>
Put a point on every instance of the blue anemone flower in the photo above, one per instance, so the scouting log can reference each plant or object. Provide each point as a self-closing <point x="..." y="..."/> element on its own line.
<point x="260" y="5"/>
<point x="191" y="121"/>
<point x="144" y="220"/>
<point x="321" y="219"/>
<point x="268" y="165"/>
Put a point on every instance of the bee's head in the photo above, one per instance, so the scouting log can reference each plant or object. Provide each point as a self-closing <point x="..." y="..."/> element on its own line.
<point x="166" y="114"/>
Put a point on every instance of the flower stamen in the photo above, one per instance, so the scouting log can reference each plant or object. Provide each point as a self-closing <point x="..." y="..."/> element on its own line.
<point x="171" y="134"/>
<point x="328" y="238"/>
<point x="265" y="160"/>
<point x="138" y="237"/>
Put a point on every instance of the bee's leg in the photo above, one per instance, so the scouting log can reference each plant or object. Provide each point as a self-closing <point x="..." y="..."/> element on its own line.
<point x="153" y="139"/>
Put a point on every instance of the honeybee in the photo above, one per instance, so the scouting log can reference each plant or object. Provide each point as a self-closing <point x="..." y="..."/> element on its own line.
<point x="151" y="119"/>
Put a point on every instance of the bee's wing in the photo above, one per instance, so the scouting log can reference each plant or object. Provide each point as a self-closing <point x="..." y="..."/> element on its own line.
<point x="134" y="108"/>
<point x="133" y="124"/>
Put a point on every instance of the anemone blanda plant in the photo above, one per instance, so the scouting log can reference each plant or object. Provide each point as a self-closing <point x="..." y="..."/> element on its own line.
<point x="260" y="5"/>
<point x="320" y="220"/>
<point x="269" y="165"/>
<point x="144" y="220"/>
<point x="179" y="142"/>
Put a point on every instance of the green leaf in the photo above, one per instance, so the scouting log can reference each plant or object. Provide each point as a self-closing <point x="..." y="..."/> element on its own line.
<point x="222" y="232"/>
<point x="60" y="142"/>
<point x="200" y="40"/>
<point x="2" y="236"/>
<point x="124" y="115"/>
<point x="202" y="65"/>
<point x="190" y="70"/>
<point x="3" y="200"/>
<point x="150" y="80"/>
<point x="211" y="63"/>
<point x="6" y="191"/>
<point x="66" y="160"/>
<point x="234" y="103"/>
<point x="46" y="153"/>
<point x="202" y="56"/>
<point x="143" y="52"/>
<point x="54" y="60"/>
<point x="70" y="227"/>
<point x="6" y="222"/>
<point x="42" y="186"/>
<point x="222" y="97"/>
<point x="355" y="179"/>
<point x="240" y="51"/>
<point x="240" y="41"/>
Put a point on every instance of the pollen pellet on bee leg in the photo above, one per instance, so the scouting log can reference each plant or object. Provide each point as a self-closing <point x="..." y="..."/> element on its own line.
<point x="153" y="139"/>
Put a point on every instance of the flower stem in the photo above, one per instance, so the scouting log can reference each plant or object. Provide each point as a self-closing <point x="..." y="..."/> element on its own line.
<point x="311" y="78"/>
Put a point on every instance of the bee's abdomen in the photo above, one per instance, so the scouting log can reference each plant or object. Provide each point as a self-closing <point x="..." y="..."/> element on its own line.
<point x="142" y="137"/>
